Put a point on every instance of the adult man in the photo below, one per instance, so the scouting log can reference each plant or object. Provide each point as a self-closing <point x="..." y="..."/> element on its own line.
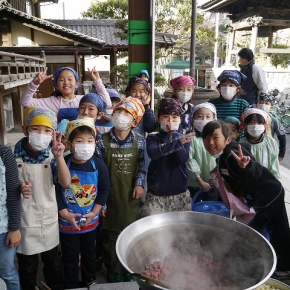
<point x="256" y="81"/>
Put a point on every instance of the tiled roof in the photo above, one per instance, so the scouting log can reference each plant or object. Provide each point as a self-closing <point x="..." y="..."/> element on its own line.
<point x="7" y="11"/>
<point x="214" y="5"/>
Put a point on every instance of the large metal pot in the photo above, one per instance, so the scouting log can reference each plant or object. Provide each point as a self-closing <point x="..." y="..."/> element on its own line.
<point x="249" y="258"/>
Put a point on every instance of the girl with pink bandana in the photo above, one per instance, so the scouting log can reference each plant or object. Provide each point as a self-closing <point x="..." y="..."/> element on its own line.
<point x="183" y="89"/>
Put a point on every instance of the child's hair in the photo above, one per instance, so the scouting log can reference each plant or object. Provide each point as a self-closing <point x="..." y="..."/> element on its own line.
<point x="246" y="53"/>
<point x="81" y="130"/>
<point x="209" y="128"/>
<point x="255" y="117"/>
<point x="233" y="120"/>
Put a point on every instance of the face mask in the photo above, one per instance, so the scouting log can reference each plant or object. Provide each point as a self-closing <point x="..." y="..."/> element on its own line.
<point x="217" y="155"/>
<point x="120" y="121"/>
<point x="199" y="124"/>
<point x="82" y="117"/>
<point x="84" y="152"/>
<point x="228" y="92"/>
<point x="108" y="114"/>
<point x="163" y="125"/>
<point x="264" y="107"/>
<point x="184" y="97"/>
<point x="38" y="142"/>
<point x="255" y="130"/>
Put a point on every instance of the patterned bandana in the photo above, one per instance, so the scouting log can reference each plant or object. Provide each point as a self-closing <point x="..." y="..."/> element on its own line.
<point x="169" y="106"/>
<point x="133" y="106"/>
<point x="36" y="116"/>
<point x="113" y="93"/>
<point x="266" y="97"/>
<point x="205" y="105"/>
<point x="252" y="111"/>
<point x="182" y="81"/>
<point x="71" y="125"/>
<point x="232" y="75"/>
<point x="232" y="120"/>
<point x="94" y="99"/>
<point x="56" y="74"/>
<point x="136" y="80"/>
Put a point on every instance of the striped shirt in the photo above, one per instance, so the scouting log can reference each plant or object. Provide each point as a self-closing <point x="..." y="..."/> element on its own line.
<point x="12" y="187"/>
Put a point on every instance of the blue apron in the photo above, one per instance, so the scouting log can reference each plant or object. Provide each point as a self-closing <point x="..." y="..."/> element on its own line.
<point x="67" y="113"/>
<point x="80" y="197"/>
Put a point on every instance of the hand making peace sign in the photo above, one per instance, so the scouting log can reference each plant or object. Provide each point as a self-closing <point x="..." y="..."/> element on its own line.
<point x="41" y="77"/>
<point x="57" y="147"/>
<point x="242" y="160"/>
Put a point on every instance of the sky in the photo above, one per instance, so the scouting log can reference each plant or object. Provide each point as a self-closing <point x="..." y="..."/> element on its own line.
<point x="72" y="9"/>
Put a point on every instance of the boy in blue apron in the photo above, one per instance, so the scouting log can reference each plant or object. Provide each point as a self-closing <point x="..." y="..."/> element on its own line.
<point x="82" y="190"/>
<point x="39" y="224"/>
<point x="123" y="153"/>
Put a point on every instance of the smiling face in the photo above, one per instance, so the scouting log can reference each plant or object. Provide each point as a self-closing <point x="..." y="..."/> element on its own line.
<point x="138" y="91"/>
<point x="203" y="114"/>
<point x="66" y="83"/>
<point x="88" y="109"/>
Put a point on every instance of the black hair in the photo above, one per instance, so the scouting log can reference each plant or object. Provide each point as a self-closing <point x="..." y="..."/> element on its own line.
<point x="246" y="53"/>
<point x="115" y="99"/>
<point x="209" y="128"/>
<point x="81" y="130"/>
<point x="255" y="117"/>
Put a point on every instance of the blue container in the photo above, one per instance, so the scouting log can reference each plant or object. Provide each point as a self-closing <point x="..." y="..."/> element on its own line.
<point x="213" y="207"/>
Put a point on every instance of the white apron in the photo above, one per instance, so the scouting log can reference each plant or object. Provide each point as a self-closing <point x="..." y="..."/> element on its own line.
<point x="39" y="214"/>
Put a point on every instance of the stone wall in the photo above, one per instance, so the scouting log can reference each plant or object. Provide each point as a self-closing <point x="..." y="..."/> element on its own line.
<point x="278" y="79"/>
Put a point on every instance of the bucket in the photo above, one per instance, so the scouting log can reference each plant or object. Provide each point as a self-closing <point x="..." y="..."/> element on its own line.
<point x="213" y="207"/>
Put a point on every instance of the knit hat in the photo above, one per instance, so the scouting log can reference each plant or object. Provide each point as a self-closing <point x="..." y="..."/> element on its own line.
<point x="71" y="125"/>
<point x="252" y="111"/>
<point x="36" y="116"/>
<point x="169" y="106"/>
<point x="182" y="81"/>
<point x="113" y="93"/>
<point x="232" y="75"/>
<point x="136" y="80"/>
<point x="133" y="106"/>
<point x="94" y="99"/>
<point x="266" y="97"/>
<point x="58" y="71"/>
<point x="206" y="105"/>
<point x="232" y="120"/>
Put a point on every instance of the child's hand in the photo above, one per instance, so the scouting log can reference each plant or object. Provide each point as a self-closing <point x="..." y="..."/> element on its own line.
<point x="242" y="161"/>
<point x="89" y="216"/>
<point x="103" y="213"/>
<point x="203" y="185"/>
<point x="41" y="77"/>
<point x="57" y="147"/>
<point x="25" y="188"/>
<point x="70" y="217"/>
<point x="138" y="191"/>
<point x="147" y="100"/>
<point x="13" y="238"/>
<point x="94" y="74"/>
<point x="186" y="138"/>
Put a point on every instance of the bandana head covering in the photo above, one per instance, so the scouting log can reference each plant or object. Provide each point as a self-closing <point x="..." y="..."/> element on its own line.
<point x="56" y="74"/>
<point x="252" y="111"/>
<point x="233" y="76"/>
<point x="113" y="93"/>
<point x="143" y="71"/>
<point x="266" y="97"/>
<point x="182" y="81"/>
<point x="36" y="116"/>
<point x="94" y="99"/>
<point x="206" y="105"/>
<point x="233" y="120"/>
<point x="136" y="80"/>
<point x="71" y="125"/>
<point x="133" y="106"/>
<point x="169" y="106"/>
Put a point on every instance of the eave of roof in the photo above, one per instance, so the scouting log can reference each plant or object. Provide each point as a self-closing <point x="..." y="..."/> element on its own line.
<point x="214" y="5"/>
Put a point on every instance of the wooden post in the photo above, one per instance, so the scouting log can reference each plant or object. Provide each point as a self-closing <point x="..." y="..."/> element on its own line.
<point x="2" y="120"/>
<point x="231" y="33"/>
<point x="113" y="62"/>
<point x="17" y="109"/>
<point x="270" y="45"/>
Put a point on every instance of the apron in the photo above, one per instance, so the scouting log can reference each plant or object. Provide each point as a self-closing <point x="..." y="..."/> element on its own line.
<point x="66" y="113"/>
<point x="39" y="213"/>
<point x="79" y="197"/>
<point x="3" y="197"/>
<point x="122" y="209"/>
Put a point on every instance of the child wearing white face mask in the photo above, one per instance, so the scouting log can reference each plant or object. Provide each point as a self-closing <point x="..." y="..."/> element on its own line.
<point x="200" y="162"/>
<point x="183" y="90"/>
<point x="263" y="148"/>
<point x="39" y="225"/>
<point x="82" y="190"/>
<point x="273" y="125"/>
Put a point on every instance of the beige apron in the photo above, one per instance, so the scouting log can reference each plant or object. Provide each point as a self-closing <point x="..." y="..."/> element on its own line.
<point x="39" y="214"/>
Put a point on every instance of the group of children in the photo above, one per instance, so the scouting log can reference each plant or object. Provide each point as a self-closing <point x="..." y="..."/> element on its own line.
<point x="85" y="184"/>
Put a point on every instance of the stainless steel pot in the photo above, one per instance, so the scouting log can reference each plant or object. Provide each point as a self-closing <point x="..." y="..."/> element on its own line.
<point x="248" y="257"/>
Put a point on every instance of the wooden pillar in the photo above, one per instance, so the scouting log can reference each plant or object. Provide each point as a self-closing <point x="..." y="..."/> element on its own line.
<point x="113" y="62"/>
<point x="231" y="41"/>
<point x="139" y="36"/>
<point x="2" y="120"/>
<point x="270" y="45"/>
<point x="254" y="22"/>
<point x="17" y="109"/>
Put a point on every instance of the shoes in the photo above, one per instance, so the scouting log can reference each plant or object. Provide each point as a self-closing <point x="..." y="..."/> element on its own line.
<point x="115" y="278"/>
<point x="128" y="278"/>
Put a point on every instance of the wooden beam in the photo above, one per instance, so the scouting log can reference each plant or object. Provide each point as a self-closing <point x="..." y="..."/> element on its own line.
<point x="273" y="50"/>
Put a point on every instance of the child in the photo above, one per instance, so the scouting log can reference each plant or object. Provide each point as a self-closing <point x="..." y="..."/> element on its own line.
<point x="169" y="151"/>
<point x="249" y="180"/>
<point x="200" y="162"/>
<point x="143" y="74"/>
<point x="229" y="103"/>
<point x="10" y="212"/>
<point x="104" y="124"/>
<point x="139" y="88"/>
<point x="39" y="225"/>
<point x="263" y="148"/>
<point x="234" y="125"/>
<point x="82" y="190"/>
<point x="124" y="155"/>
<point x="183" y="89"/>
<point x="265" y="103"/>
<point x="66" y="83"/>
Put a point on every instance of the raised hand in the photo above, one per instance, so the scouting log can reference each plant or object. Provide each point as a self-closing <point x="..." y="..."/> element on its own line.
<point x="242" y="160"/>
<point x="94" y="74"/>
<point x="186" y="138"/>
<point x="41" y="77"/>
<point x="57" y="147"/>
